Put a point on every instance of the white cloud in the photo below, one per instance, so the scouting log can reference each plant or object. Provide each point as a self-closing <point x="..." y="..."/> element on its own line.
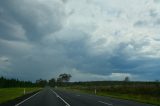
<point x="111" y="23"/>
<point x="4" y="63"/>
<point x="78" y="75"/>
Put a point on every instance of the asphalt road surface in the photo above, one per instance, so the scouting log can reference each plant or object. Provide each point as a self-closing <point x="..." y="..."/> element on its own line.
<point x="53" y="97"/>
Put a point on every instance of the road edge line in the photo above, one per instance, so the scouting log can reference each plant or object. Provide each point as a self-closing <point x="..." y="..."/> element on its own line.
<point x="67" y="104"/>
<point x="26" y="99"/>
<point x="105" y="103"/>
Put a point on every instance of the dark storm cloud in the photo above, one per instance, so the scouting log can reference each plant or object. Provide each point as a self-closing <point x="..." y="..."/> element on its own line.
<point x="37" y="18"/>
<point x="43" y="38"/>
<point x="21" y="24"/>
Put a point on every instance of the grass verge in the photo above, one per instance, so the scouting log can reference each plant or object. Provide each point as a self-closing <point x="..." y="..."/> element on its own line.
<point x="139" y="98"/>
<point x="7" y="94"/>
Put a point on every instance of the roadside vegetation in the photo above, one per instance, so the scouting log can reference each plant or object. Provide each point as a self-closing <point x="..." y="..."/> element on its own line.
<point x="13" y="88"/>
<point x="7" y="94"/>
<point x="141" y="91"/>
<point x="7" y="83"/>
<point x="147" y="92"/>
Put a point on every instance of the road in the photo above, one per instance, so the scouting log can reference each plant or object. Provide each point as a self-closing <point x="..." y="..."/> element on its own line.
<point x="54" y="97"/>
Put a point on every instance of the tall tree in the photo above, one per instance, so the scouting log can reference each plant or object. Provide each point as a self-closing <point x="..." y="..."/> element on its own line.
<point x="52" y="82"/>
<point x="126" y="79"/>
<point x="64" y="77"/>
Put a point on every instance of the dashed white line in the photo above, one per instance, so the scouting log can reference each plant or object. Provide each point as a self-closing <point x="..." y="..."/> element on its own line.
<point x="60" y="98"/>
<point x="105" y="103"/>
<point x="27" y="99"/>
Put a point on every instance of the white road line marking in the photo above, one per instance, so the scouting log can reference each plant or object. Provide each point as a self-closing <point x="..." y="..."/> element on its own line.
<point x="77" y="95"/>
<point x="105" y="103"/>
<point x="54" y="92"/>
<point x="60" y="98"/>
<point x="27" y="99"/>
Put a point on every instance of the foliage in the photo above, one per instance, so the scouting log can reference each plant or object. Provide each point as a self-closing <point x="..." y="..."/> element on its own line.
<point x="41" y="83"/>
<point x="52" y="82"/>
<point x="64" y="77"/>
<point x="5" y="83"/>
<point x="126" y="79"/>
<point x="148" y="92"/>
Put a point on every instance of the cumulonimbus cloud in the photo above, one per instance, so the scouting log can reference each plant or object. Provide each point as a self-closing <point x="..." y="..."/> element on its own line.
<point x="99" y="38"/>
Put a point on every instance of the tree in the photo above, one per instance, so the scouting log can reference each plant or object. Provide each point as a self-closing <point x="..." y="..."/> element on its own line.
<point x="157" y="83"/>
<point x="41" y="83"/>
<point x="6" y="83"/>
<point x="126" y="79"/>
<point x="64" y="77"/>
<point x="52" y="82"/>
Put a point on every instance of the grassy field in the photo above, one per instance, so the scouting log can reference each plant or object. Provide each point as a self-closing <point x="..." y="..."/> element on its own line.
<point x="7" y="94"/>
<point x="145" y="94"/>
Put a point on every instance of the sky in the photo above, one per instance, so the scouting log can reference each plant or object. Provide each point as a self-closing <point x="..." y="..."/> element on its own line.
<point x="89" y="39"/>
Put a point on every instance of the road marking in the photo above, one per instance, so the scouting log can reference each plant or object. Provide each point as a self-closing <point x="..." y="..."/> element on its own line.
<point x="27" y="99"/>
<point x="54" y="92"/>
<point x="77" y="95"/>
<point x="60" y="98"/>
<point x="105" y="103"/>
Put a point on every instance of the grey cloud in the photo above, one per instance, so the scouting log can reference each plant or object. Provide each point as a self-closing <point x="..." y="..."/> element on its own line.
<point x="115" y="13"/>
<point x="157" y="1"/>
<point x="36" y="17"/>
<point x="15" y="48"/>
<point x="11" y="31"/>
<point x="71" y="12"/>
<point x="50" y="57"/>
<point x="153" y="13"/>
<point x="39" y="42"/>
<point x="147" y="23"/>
<point x="157" y="22"/>
<point x="4" y="59"/>
<point x="64" y="1"/>
<point x="140" y="23"/>
<point x="63" y="53"/>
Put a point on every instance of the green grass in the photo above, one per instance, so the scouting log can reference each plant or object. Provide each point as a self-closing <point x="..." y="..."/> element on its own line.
<point x="139" y="98"/>
<point x="7" y="94"/>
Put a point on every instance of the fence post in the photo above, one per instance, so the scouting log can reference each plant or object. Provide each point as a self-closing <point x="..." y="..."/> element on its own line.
<point x="24" y="91"/>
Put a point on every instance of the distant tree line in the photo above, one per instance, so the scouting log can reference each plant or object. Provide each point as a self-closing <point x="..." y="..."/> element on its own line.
<point x="60" y="81"/>
<point x="6" y="83"/>
<point x="113" y="83"/>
